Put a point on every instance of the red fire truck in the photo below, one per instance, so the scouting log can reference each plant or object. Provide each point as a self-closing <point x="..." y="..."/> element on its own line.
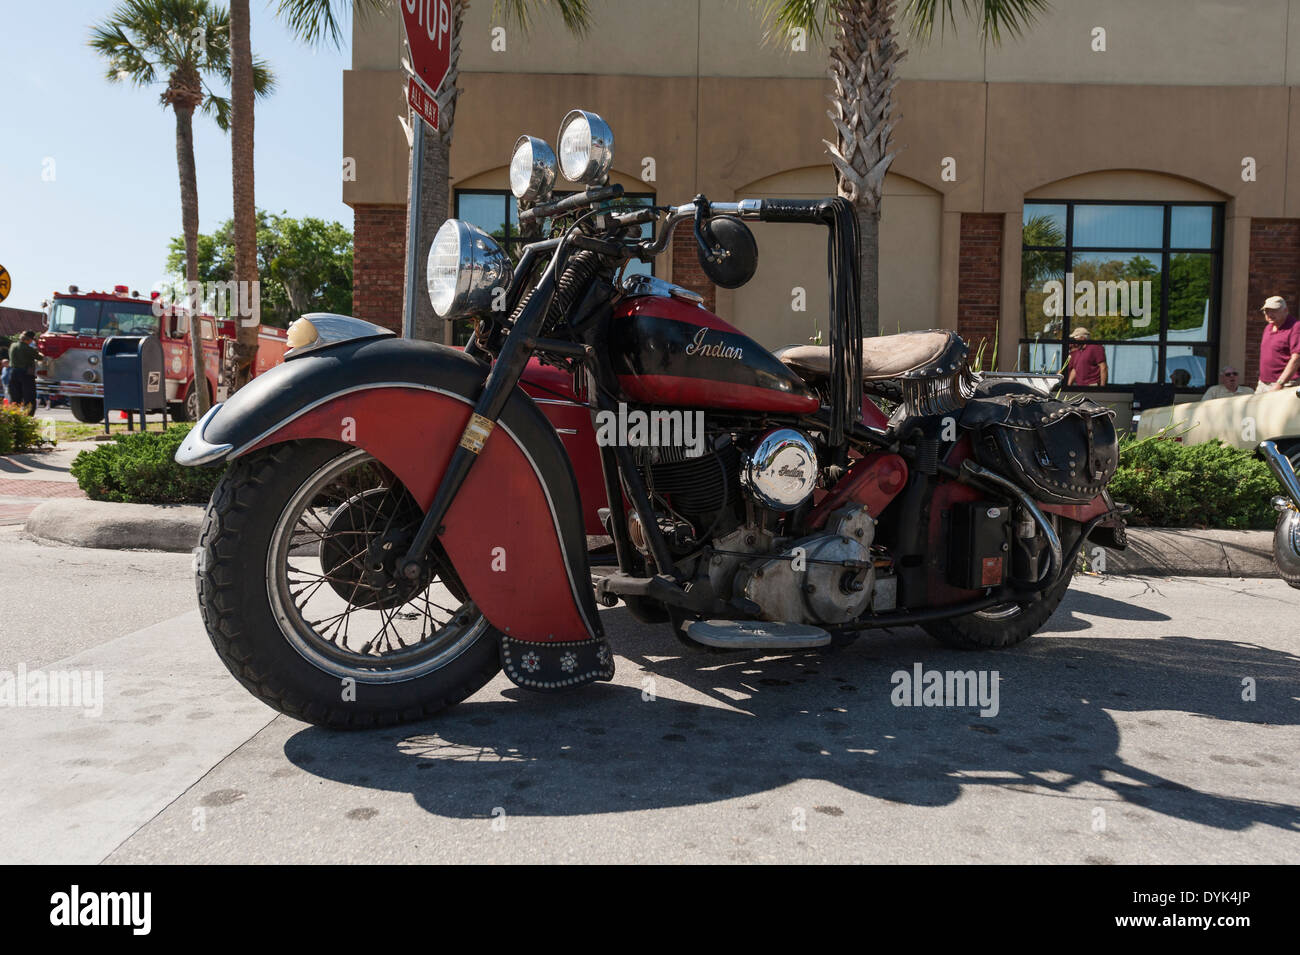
<point x="79" y="322"/>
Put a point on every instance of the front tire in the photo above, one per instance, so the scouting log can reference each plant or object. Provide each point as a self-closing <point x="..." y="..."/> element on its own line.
<point x="88" y="410"/>
<point x="292" y="586"/>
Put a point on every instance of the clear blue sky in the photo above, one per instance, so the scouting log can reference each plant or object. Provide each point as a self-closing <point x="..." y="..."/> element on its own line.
<point x="115" y="200"/>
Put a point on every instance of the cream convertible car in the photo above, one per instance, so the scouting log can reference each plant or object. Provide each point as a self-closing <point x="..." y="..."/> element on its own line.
<point x="1270" y="423"/>
<point x="1242" y="422"/>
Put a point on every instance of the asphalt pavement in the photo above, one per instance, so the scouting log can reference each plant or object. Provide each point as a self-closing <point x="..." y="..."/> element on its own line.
<point x="1152" y="721"/>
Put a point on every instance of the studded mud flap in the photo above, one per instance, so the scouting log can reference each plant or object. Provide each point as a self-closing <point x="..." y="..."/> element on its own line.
<point x="556" y="666"/>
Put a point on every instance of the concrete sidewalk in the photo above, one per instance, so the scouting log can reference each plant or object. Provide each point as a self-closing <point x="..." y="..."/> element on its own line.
<point x="28" y="480"/>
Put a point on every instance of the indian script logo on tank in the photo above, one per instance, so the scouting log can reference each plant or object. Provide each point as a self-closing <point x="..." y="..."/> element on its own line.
<point x="700" y="346"/>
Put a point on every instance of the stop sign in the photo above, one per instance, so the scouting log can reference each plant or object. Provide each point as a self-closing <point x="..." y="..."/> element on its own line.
<point x="428" y="32"/>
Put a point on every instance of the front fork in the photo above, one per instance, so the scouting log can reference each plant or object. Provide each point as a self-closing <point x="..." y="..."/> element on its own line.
<point x="497" y="389"/>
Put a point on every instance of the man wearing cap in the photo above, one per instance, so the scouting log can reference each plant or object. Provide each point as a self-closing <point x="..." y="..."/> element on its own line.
<point x="22" y="375"/>
<point x="1087" y="361"/>
<point x="1227" y="386"/>
<point x="1279" y="349"/>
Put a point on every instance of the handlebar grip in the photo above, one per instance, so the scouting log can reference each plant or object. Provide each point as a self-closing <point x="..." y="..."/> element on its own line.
<point x="641" y="216"/>
<point x="793" y="210"/>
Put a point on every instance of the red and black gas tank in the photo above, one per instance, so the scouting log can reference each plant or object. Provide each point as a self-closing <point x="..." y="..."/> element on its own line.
<point x="667" y="351"/>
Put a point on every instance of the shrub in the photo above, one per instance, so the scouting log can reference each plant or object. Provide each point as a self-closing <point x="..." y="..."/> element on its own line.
<point x="139" y="468"/>
<point x="1171" y="484"/>
<point x="18" y="431"/>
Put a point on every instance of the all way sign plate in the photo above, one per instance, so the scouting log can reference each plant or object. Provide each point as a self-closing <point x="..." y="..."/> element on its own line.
<point x="420" y="100"/>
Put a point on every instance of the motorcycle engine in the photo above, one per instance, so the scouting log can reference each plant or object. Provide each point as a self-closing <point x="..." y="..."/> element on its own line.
<point x="695" y="497"/>
<point x="827" y="577"/>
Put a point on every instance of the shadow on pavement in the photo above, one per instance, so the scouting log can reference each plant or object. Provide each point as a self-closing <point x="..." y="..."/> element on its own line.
<point x="753" y="723"/>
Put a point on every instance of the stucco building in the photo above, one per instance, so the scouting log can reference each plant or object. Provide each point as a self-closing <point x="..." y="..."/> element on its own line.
<point x="1115" y="142"/>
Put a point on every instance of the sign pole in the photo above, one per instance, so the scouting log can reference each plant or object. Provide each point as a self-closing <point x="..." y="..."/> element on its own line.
<point x="429" y="38"/>
<point x="413" y="228"/>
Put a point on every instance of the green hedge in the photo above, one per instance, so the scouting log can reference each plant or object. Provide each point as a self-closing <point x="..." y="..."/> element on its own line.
<point x="1171" y="484"/>
<point x="18" y="431"/>
<point x="139" y="468"/>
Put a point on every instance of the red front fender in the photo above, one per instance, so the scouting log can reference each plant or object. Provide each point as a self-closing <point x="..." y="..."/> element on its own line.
<point x="503" y="532"/>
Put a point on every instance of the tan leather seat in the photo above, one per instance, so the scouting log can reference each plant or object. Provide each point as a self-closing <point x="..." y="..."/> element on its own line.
<point x="887" y="356"/>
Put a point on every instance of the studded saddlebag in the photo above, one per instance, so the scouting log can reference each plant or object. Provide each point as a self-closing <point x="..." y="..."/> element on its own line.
<point x="1060" y="451"/>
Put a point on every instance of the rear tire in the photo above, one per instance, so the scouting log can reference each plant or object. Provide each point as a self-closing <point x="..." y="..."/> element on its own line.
<point x="88" y="410"/>
<point x="249" y="544"/>
<point x="1007" y="625"/>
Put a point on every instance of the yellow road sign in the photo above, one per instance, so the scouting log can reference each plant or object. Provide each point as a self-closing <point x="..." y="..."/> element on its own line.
<point x="5" y="283"/>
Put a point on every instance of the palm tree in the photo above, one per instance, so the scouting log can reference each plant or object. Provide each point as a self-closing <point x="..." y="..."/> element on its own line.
<point x="864" y="60"/>
<point x="184" y="44"/>
<point x="317" y="20"/>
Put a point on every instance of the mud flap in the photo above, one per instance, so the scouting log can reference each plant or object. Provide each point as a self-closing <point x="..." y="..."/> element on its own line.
<point x="556" y="666"/>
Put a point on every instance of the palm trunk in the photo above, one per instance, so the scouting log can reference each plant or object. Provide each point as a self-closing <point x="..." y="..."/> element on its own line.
<point x="190" y="226"/>
<point x="433" y="203"/>
<point x="864" y="67"/>
<point x="245" y="205"/>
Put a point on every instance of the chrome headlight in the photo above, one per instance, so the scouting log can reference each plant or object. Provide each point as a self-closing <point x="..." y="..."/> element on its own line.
<point x="466" y="267"/>
<point x="532" y="169"/>
<point x="586" y="147"/>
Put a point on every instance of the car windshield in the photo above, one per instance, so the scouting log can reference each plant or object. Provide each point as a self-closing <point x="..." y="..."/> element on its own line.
<point x="102" y="319"/>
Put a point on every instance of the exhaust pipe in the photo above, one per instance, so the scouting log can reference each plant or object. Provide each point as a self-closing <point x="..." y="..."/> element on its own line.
<point x="1282" y="468"/>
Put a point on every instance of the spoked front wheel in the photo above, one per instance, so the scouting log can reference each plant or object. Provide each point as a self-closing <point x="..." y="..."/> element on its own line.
<point x="300" y="594"/>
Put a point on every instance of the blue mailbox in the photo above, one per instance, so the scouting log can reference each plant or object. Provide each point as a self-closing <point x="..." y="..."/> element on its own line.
<point x="133" y="376"/>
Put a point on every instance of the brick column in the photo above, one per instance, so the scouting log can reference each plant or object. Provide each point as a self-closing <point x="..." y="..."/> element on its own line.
<point x="979" y="280"/>
<point x="686" y="266"/>
<point x="1274" y="270"/>
<point x="379" y="264"/>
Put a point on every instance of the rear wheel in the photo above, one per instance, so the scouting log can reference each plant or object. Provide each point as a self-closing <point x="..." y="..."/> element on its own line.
<point x="299" y="591"/>
<point x="1007" y="624"/>
<point x="88" y="410"/>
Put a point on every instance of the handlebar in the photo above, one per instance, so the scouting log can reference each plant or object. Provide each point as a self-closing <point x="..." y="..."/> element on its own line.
<point x="813" y="211"/>
<point x="588" y="197"/>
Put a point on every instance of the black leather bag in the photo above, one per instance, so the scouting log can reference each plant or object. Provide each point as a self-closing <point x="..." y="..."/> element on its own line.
<point x="1061" y="452"/>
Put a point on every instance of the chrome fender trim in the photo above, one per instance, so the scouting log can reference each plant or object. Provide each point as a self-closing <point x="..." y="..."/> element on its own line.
<point x="194" y="451"/>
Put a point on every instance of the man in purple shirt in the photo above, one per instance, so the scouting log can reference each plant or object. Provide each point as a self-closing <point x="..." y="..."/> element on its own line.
<point x="1279" y="349"/>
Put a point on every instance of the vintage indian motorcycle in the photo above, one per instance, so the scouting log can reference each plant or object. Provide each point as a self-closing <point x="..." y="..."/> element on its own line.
<point x="400" y="520"/>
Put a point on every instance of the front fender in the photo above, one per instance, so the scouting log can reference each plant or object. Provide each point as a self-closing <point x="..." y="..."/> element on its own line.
<point x="514" y="531"/>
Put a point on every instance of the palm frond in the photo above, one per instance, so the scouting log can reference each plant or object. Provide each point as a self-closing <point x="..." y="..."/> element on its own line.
<point x="995" y="18"/>
<point x="316" y="21"/>
<point x="263" y="77"/>
<point x="576" y="14"/>
<point x="218" y="107"/>
<point x="782" y="17"/>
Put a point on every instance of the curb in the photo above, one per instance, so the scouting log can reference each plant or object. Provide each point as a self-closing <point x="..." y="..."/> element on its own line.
<point x="103" y="524"/>
<point x="1152" y="551"/>
<point x="1183" y="552"/>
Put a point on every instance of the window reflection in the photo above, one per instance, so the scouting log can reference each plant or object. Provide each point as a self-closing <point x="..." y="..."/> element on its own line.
<point x="1109" y="268"/>
<point x="1098" y="226"/>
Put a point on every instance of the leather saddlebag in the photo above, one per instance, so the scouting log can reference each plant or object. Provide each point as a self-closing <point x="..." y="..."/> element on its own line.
<point x="1060" y="451"/>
